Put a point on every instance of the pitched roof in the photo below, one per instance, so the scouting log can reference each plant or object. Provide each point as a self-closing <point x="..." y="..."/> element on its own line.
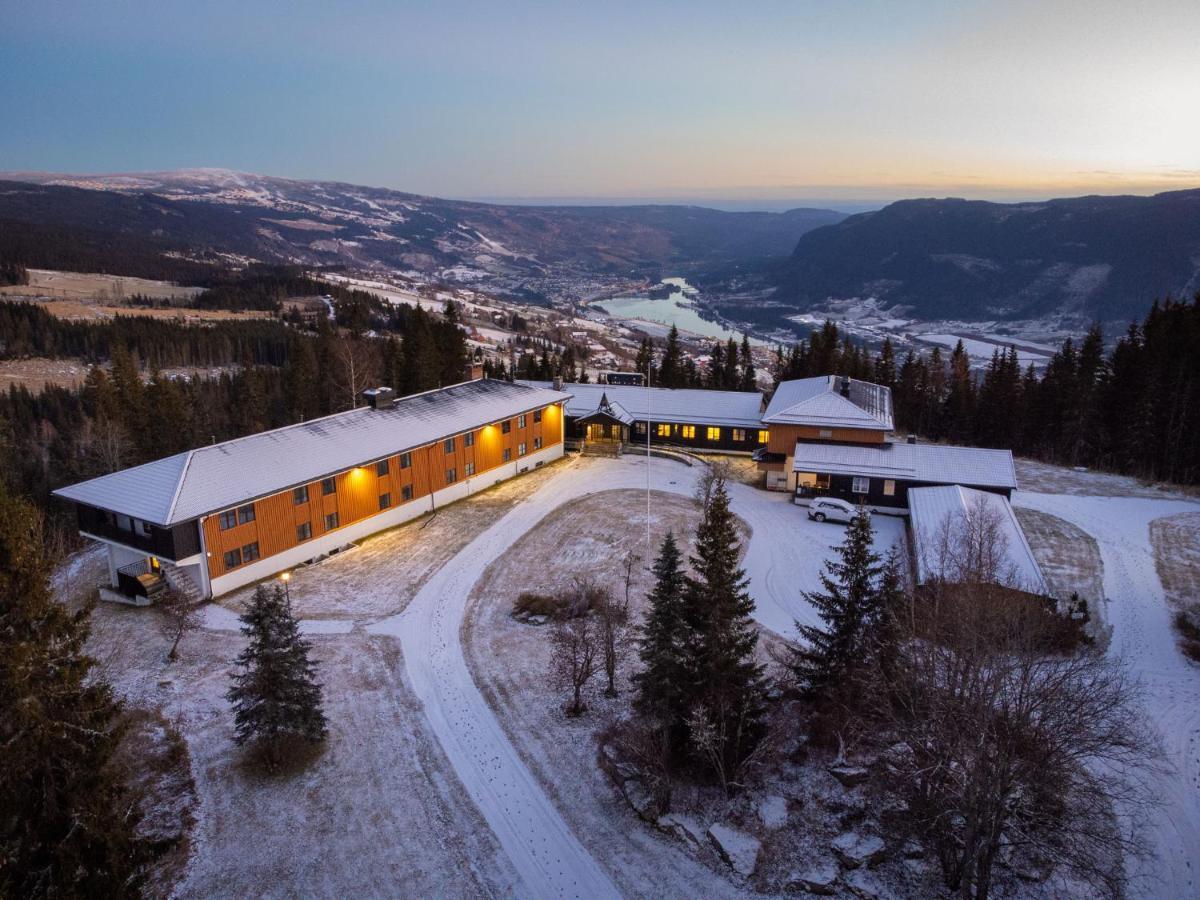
<point x="936" y="463"/>
<point x="735" y="409"/>
<point x="819" y="402"/>
<point x="187" y="485"/>
<point x="933" y="509"/>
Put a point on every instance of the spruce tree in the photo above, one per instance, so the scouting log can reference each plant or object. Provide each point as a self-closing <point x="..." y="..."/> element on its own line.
<point x="275" y="694"/>
<point x="66" y="821"/>
<point x="663" y="684"/>
<point x="749" y="377"/>
<point x="729" y="687"/>
<point x="670" y="370"/>
<point x="846" y="606"/>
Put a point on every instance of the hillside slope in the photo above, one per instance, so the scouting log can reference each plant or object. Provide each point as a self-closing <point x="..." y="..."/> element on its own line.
<point x="1101" y="258"/>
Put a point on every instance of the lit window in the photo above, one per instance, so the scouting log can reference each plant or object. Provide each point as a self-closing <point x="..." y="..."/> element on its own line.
<point x="506" y="426"/>
<point x="663" y="430"/>
<point x="469" y="439"/>
<point x="537" y="443"/>
<point x="385" y="500"/>
<point x="303" y="532"/>
<point x="405" y="460"/>
<point x="328" y="486"/>
<point x="245" y="514"/>
<point x="449" y="445"/>
<point x="250" y="552"/>
<point x="520" y="421"/>
<point x="300" y="495"/>
<point x="713" y="434"/>
<point x="889" y="488"/>
<point x="331" y="521"/>
<point x="406" y="493"/>
<point x="521" y="449"/>
<point x="451" y="476"/>
<point x="860" y="485"/>
<point x="381" y="468"/>
<point x="227" y="520"/>
<point x="688" y="431"/>
<point x="233" y="559"/>
<point x="764" y="436"/>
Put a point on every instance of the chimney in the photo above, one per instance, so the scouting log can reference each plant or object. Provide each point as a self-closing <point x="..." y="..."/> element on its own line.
<point x="474" y="371"/>
<point x="912" y="438"/>
<point x="380" y="397"/>
<point x="846" y="386"/>
<point x="558" y="382"/>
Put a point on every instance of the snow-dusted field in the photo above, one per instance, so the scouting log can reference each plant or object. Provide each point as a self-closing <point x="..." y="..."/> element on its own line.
<point x="423" y="790"/>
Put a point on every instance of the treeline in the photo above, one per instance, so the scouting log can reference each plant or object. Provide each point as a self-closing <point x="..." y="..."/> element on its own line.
<point x="1134" y="410"/>
<point x="13" y="273"/>
<point x="730" y="368"/>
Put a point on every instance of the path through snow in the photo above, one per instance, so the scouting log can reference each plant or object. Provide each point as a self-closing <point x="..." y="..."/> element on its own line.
<point x="1144" y="639"/>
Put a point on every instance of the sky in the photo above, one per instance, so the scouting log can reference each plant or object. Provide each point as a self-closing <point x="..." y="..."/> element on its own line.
<point x="748" y="104"/>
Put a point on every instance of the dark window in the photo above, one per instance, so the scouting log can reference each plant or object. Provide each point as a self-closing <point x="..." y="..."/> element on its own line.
<point x="144" y="528"/>
<point x="451" y="476"/>
<point x="449" y="445"/>
<point x="303" y="532"/>
<point x="521" y="449"/>
<point x="227" y="520"/>
<point x="328" y="486"/>
<point x="250" y="552"/>
<point x="245" y="514"/>
<point x="469" y="469"/>
<point x="385" y="500"/>
<point x="381" y="467"/>
<point x="537" y="443"/>
<point x="469" y="439"/>
<point x="233" y="559"/>
<point x="300" y="495"/>
<point x="506" y="426"/>
<point x="124" y="522"/>
<point x="331" y="521"/>
<point x="507" y="454"/>
<point x="406" y="493"/>
<point x="537" y="415"/>
<point x="520" y="421"/>
<point x="405" y="460"/>
<point x="739" y="435"/>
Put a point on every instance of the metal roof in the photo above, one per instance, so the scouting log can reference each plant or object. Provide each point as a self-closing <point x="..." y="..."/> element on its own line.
<point x="819" y="402"/>
<point x="936" y="463"/>
<point x="192" y="484"/>
<point x="686" y="406"/>
<point x="934" y="509"/>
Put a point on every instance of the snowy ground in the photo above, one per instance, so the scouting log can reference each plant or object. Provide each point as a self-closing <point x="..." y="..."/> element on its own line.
<point x="422" y="790"/>
<point x="1143" y="639"/>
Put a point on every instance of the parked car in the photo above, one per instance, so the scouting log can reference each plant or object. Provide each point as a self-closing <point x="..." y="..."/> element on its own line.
<point x="831" y="509"/>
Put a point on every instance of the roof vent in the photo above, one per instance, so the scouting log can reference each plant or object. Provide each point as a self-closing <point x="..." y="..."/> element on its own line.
<point x="558" y="382"/>
<point x="845" y="386"/>
<point x="912" y="438"/>
<point x="380" y="397"/>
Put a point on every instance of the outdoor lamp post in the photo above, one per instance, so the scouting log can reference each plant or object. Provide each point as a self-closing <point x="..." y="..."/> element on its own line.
<point x="286" y="577"/>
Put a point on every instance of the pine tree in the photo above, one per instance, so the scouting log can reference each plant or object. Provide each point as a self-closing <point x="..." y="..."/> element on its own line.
<point x="749" y="377"/>
<point x="67" y="826"/>
<point x="846" y="606"/>
<point x="729" y="684"/>
<point x="670" y="370"/>
<point x="663" y="684"/>
<point x="275" y="695"/>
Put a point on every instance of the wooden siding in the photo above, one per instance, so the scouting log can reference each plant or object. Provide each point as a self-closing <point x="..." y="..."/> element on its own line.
<point x="783" y="437"/>
<point x="277" y="516"/>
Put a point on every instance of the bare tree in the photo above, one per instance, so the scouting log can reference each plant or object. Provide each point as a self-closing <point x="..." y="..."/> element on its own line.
<point x="178" y="616"/>
<point x="613" y="622"/>
<point x="573" y="658"/>
<point x="717" y="470"/>
<point x="971" y="547"/>
<point x="357" y="368"/>
<point x="1013" y="755"/>
<point x="629" y="565"/>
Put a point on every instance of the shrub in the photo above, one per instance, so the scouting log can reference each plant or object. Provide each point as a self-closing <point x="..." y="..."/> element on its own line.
<point x="1187" y="621"/>
<point x="531" y="604"/>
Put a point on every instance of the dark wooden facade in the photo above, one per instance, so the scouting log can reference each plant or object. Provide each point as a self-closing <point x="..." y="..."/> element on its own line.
<point x="174" y="543"/>
<point x="741" y="439"/>
<point x="842" y="487"/>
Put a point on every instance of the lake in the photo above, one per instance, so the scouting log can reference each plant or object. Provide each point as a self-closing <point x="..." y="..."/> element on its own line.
<point x="673" y="309"/>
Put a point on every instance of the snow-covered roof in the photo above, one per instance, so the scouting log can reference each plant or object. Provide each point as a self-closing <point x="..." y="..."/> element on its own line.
<point x="932" y="509"/>
<point x="187" y="485"/>
<point x="735" y="409"/>
<point x="820" y="402"/>
<point x="935" y="463"/>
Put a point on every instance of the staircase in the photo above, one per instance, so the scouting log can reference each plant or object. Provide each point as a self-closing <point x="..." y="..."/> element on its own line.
<point x="181" y="583"/>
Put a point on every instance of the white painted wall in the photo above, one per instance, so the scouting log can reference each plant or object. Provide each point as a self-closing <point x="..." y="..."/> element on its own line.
<point x="272" y="565"/>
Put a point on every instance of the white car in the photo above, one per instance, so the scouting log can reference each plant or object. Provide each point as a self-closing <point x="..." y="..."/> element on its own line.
<point x="831" y="509"/>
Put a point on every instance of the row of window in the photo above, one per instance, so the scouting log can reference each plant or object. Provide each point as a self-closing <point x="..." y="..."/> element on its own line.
<point x="712" y="433"/>
<point x="239" y="556"/>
